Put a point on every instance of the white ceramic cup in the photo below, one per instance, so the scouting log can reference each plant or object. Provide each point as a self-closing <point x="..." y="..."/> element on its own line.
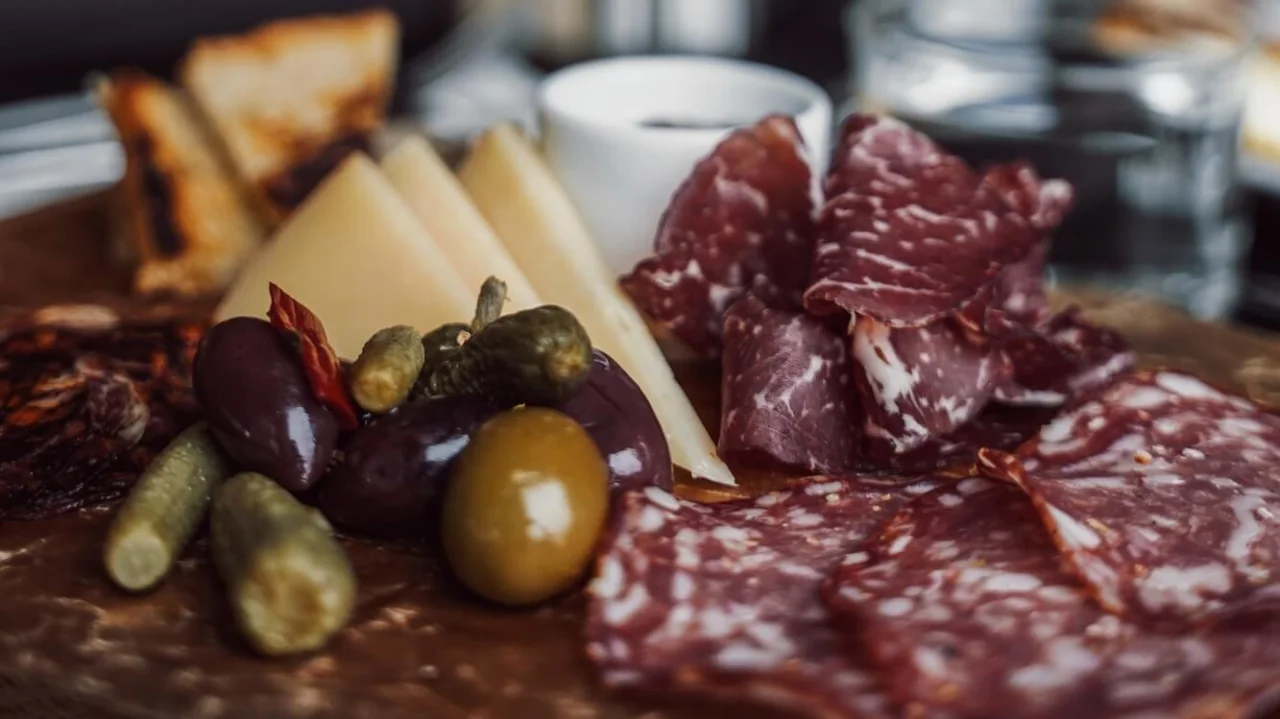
<point x="620" y="171"/>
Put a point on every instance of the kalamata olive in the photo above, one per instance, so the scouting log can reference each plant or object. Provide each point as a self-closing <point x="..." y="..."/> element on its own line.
<point x="256" y="398"/>
<point x="393" y="470"/>
<point x="617" y="415"/>
<point x="524" y="506"/>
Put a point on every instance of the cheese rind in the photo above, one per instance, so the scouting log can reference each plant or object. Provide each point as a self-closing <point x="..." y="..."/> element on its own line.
<point x="434" y="194"/>
<point x="520" y="197"/>
<point x="358" y="257"/>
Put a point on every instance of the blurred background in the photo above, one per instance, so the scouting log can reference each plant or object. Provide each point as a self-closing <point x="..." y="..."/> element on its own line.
<point x="1165" y="114"/>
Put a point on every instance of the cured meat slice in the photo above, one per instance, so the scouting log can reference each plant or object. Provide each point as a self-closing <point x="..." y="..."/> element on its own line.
<point x="963" y="605"/>
<point x="997" y="427"/>
<point x="909" y="234"/>
<point x="919" y="383"/>
<point x="1162" y="493"/>
<point x="724" y="599"/>
<point x="83" y="411"/>
<point x="786" y="393"/>
<point x="1068" y="357"/>
<point x="1043" y="203"/>
<point x="743" y="220"/>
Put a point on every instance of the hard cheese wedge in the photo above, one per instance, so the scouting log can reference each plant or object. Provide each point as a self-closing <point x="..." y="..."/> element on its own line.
<point x="438" y="199"/>
<point x="358" y="257"/>
<point x="524" y="203"/>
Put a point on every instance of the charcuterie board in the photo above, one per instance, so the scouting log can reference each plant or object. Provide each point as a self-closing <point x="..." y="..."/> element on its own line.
<point x="303" y="426"/>
<point x="417" y="644"/>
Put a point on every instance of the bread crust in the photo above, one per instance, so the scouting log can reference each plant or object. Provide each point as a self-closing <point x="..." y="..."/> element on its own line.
<point x="181" y="215"/>
<point x="291" y="98"/>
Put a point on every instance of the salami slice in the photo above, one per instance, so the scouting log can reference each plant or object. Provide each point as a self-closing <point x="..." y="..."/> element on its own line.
<point x="963" y="605"/>
<point x="1065" y="358"/>
<point x="909" y="234"/>
<point x="1162" y="493"/>
<point x="787" y="396"/>
<point x="743" y="220"/>
<point x="724" y="599"/>
<point x="919" y="383"/>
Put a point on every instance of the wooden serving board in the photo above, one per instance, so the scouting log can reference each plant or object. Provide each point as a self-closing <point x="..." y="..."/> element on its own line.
<point x="71" y="645"/>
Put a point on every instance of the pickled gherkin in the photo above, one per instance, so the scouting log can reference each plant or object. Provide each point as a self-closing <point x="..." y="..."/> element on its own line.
<point x="388" y="367"/>
<point x="447" y="338"/>
<point x="163" y="510"/>
<point x="289" y="581"/>
<point x="493" y="295"/>
<point x="536" y="356"/>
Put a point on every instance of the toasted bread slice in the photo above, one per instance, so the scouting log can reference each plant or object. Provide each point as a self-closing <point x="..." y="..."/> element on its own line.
<point x="182" y="216"/>
<point x="293" y="97"/>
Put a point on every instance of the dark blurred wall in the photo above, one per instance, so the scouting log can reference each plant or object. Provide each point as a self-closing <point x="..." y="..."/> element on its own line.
<point x="806" y="37"/>
<point x="47" y="46"/>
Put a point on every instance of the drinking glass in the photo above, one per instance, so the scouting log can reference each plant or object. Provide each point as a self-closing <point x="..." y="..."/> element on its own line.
<point x="1144" y="127"/>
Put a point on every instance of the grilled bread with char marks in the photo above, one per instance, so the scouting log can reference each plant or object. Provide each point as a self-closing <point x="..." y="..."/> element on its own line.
<point x="181" y="216"/>
<point x="293" y="97"/>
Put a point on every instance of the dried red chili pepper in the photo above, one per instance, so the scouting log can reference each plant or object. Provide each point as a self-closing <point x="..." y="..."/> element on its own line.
<point x="320" y="362"/>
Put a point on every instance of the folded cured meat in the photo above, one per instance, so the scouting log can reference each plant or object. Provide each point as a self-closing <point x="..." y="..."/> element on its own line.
<point x="997" y="427"/>
<point x="924" y="254"/>
<point x="917" y="383"/>
<point x="84" y="409"/>
<point x="787" y="396"/>
<point x="1065" y="357"/>
<point x="788" y="400"/>
<point x="1162" y="494"/>
<point x="724" y="599"/>
<point x="909" y="234"/>
<point x="962" y="605"/>
<point x="742" y="221"/>
<point x="1043" y="203"/>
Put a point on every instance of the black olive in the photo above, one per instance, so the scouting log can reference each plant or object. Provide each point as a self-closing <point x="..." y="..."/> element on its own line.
<point x="619" y="418"/>
<point x="393" y="470"/>
<point x="256" y="398"/>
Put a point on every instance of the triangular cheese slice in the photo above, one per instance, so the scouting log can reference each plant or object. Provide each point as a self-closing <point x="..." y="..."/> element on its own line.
<point x="520" y="197"/>
<point x="359" y="258"/>
<point x="438" y="199"/>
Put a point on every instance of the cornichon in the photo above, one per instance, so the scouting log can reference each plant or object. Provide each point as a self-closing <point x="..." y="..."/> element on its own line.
<point x="536" y="356"/>
<point x="446" y="339"/>
<point x="290" y="583"/>
<point x="387" y="368"/>
<point x="163" y="510"/>
<point x="493" y="295"/>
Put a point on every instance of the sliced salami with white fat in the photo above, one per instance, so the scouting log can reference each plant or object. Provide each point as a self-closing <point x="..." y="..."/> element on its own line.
<point x="787" y="395"/>
<point x="724" y="599"/>
<point x="962" y="604"/>
<point x="1164" y="496"/>
<point x="743" y="220"/>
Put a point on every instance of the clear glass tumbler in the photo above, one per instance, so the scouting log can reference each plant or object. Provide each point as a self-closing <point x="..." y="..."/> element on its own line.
<point x="1145" y="127"/>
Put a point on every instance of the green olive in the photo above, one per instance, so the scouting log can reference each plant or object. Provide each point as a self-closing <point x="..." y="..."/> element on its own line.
<point x="525" y="506"/>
